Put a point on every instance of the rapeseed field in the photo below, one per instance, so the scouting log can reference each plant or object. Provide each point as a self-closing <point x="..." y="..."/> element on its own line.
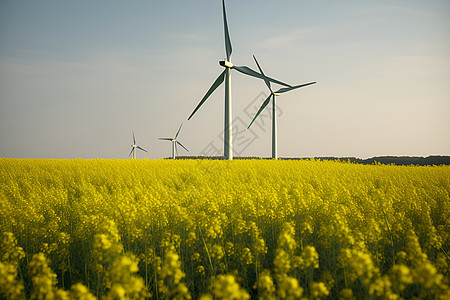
<point x="204" y="229"/>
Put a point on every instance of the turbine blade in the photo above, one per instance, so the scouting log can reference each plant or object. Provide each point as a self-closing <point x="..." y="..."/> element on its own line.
<point x="176" y="135"/>
<point x="176" y="150"/>
<point x="228" y="47"/>
<point x="142" y="149"/>
<point x="260" y="110"/>
<point x="165" y="139"/>
<point x="262" y="73"/>
<point x="134" y="140"/>
<point x="284" y="90"/>
<point x="246" y="70"/>
<point x="215" y="85"/>
<point x="131" y="151"/>
<point x="182" y="146"/>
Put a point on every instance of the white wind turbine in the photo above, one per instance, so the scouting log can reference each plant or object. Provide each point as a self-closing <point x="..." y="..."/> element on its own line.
<point x="274" y="113"/>
<point x="134" y="148"/>
<point x="226" y="75"/>
<point x="175" y="142"/>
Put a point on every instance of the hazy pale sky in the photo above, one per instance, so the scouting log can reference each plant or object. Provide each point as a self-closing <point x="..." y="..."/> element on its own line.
<point x="76" y="77"/>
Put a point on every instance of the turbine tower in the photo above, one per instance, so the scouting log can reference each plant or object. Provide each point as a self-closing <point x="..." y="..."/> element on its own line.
<point x="134" y="148"/>
<point x="174" y="143"/>
<point x="274" y="107"/>
<point x="226" y="75"/>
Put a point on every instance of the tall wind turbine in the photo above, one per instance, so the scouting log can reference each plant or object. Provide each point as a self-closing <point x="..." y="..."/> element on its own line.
<point x="274" y="112"/>
<point x="226" y="75"/>
<point x="134" y="148"/>
<point x="175" y="142"/>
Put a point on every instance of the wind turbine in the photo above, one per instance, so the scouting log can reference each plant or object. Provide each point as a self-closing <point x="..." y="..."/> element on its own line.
<point x="226" y="75"/>
<point x="134" y="148"/>
<point x="175" y="142"/>
<point x="274" y="113"/>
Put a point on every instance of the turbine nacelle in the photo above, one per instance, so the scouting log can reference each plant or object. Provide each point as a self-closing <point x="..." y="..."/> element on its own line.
<point x="226" y="64"/>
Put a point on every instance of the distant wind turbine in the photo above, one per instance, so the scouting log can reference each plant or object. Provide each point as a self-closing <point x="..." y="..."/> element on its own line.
<point x="174" y="143"/>
<point x="226" y="75"/>
<point x="134" y="148"/>
<point x="274" y="113"/>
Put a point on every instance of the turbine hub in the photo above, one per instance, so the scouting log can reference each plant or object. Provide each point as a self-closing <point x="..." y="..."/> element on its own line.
<point x="226" y="64"/>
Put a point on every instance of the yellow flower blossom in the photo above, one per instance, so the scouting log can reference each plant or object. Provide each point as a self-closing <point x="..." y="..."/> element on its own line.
<point x="319" y="290"/>
<point x="225" y="287"/>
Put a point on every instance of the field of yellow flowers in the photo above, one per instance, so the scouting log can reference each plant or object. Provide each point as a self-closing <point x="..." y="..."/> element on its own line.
<point x="204" y="229"/>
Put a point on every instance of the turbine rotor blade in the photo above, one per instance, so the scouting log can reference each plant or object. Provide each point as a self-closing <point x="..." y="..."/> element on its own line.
<point x="142" y="149"/>
<point x="182" y="146"/>
<point x="165" y="139"/>
<point x="228" y="47"/>
<point x="134" y="140"/>
<point x="131" y="151"/>
<point x="247" y="71"/>
<point x="215" y="85"/>
<point x="260" y="109"/>
<point x="262" y="73"/>
<point x="178" y="131"/>
<point x="284" y="90"/>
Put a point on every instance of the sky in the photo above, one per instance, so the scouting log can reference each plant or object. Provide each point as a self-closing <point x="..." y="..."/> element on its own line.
<point x="78" y="77"/>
